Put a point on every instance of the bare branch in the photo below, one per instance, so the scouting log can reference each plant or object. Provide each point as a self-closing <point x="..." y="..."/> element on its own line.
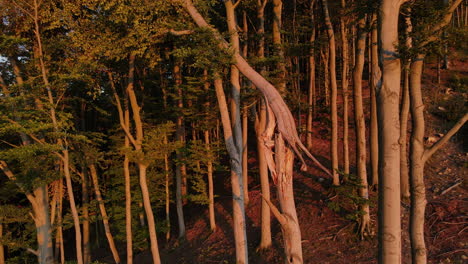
<point x="430" y="151"/>
<point x="236" y="4"/>
<point x="279" y="216"/>
<point x="180" y="32"/>
<point x="119" y="109"/>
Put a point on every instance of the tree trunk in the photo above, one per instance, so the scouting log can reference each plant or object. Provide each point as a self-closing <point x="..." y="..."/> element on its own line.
<point x="405" y="106"/>
<point x="141" y="167"/>
<point x="85" y="217"/>
<point x="43" y="227"/>
<point x="128" y="191"/>
<point x="167" y="192"/>
<point x="210" y="184"/>
<point x="180" y="135"/>
<point x="236" y="160"/>
<point x="311" y="94"/>
<point x="361" y="128"/>
<point x="277" y="10"/>
<point x="260" y="123"/>
<point x="374" y="85"/>
<point x="418" y="189"/>
<point x="75" y="216"/>
<point x="284" y="161"/>
<point x="333" y="86"/>
<point x="240" y="234"/>
<point x="260" y="126"/>
<point x="105" y="218"/>
<point x="245" y="161"/>
<point x="59" y="248"/>
<point x="389" y="127"/>
<point x="344" y="86"/>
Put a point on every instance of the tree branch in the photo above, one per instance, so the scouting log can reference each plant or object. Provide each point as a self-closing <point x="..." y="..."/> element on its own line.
<point x="444" y="22"/>
<point x="119" y="109"/>
<point x="428" y="152"/>
<point x="281" y="219"/>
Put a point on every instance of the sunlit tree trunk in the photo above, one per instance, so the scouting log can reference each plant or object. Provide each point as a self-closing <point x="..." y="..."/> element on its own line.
<point x="388" y="97"/>
<point x="85" y="217"/>
<point x="374" y="85"/>
<point x="260" y="122"/>
<point x="277" y="11"/>
<point x="260" y="126"/>
<point x="245" y="157"/>
<point x="405" y="106"/>
<point x="344" y="86"/>
<point x="210" y="184"/>
<point x="240" y="234"/>
<point x="333" y="86"/>
<point x="128" y="186"/>
<point x="360" y="127"/>
<point x="141" y="166"/>
<point x="311" y="93"/>
<point x="59" y="248"/>
<point x="105" y="217"/>
<point x="418" y="153"/>
<point x="180" y="168"/>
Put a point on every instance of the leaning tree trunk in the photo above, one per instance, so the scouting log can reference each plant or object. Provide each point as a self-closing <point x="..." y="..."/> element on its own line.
<point x="389" y="127"/>
<point x="105" y="217"/>
<point x="361" y="128"/>
<point x="333" y="86"/>
<point x="286" y="122"/>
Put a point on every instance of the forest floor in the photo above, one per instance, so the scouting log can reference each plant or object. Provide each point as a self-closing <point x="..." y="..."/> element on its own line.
<point x="329" y="236"/>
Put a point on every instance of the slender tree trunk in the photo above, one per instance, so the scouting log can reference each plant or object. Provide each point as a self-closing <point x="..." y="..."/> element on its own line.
<point x="311" y="94"/>
<point x="240" y="234"/>
<point x="142" y="167"/>
<point x="277" y="10"/>
<point x="179" y="169"/>
<point x="374" y="85"/>
<point x="245" y="161"/>
<point x="389" y="127"/>
<point x="418" y="189"/>
<point x="361" y="127"/>
<point x="344" y="86"/>
<point x="260" y="123"/>
<point x="105" y="217"/>
<point x="85" y="217"/>
<point x="167" y="192"/>
<point x="405" y="106"/>
<point x="71" y="197"/>
<point x="210" y="184"/>
<point x="59" y="248"/>
<point x="128" y="191"/>
<point x="333" y="86"/>
<point x="260" y="126"/>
